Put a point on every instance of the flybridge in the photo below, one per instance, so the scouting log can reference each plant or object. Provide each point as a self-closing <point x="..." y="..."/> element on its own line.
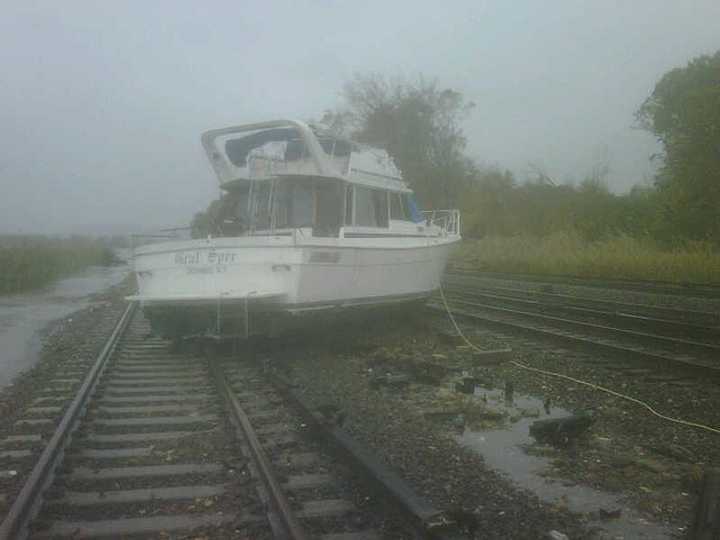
<point x="291" y="148"/>
<point x="282" y="177"/>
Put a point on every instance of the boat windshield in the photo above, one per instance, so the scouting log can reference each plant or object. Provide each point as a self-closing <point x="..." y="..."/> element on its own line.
<point x="293" y="204"/>
<point x="282" y="204"/>
<point x="308" y="202"/>
<point x="263" y="154"/>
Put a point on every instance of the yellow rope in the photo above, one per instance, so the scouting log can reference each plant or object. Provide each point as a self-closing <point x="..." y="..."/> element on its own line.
<point x="578" y="381"/>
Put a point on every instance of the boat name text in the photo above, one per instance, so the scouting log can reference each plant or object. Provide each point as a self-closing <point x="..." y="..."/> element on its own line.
<point x="204" y="257"/>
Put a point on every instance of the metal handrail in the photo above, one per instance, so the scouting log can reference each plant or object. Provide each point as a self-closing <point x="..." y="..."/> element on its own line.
<point x="167" y="230"/>
<point x="447" y="220"/>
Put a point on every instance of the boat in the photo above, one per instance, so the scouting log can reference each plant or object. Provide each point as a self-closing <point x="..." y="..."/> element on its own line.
<point x="308" y="222"/>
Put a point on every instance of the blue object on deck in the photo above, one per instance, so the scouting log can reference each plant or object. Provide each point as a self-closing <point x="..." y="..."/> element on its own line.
<point x="415" y="214"/>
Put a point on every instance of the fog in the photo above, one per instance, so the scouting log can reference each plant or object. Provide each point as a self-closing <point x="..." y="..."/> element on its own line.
<point x="102" y="105"/>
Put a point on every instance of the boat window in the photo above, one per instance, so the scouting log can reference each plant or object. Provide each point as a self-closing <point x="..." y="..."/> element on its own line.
<point x="382" y="204"/>
<point x="397" y="208"/>
<point x="302" y="203"/>
<point x="307" y="202"/>
<point x="349" y="192"/>
<point x="282" y="205"/>
<point x="240" y="208"/>
<point x="293" y="204"/>
<point x="328" y="208"/>
<point x="371" y="209"/>
<point x="261" y="205"/>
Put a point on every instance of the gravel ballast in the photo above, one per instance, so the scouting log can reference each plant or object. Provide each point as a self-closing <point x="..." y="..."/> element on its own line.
<point x="341" y="369"/>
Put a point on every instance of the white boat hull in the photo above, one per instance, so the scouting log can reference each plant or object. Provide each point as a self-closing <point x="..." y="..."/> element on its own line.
<point x="276" y="273"/>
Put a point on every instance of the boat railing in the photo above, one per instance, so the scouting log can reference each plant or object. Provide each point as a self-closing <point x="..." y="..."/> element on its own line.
<point x="160" y="235"/>
<point x="447" y="220"/>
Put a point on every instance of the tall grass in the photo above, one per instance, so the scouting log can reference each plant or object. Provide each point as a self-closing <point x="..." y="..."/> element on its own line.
<point x="29" y="262"/>
<point x="566" y="253"/>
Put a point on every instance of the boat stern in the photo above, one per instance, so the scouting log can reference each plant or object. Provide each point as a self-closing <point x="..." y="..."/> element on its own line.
<point x="199" y="288"/>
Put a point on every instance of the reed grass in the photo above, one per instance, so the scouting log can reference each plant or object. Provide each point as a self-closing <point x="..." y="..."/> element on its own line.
<point x="31" y="262"/>
<point x="566" y="253"/>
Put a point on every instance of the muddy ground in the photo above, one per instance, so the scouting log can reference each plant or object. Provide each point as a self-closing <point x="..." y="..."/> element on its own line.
<point x="378" y="373"/>
<point x="398" y="380"/>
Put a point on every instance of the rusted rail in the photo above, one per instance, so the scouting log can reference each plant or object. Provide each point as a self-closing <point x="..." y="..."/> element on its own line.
<point x="281" y="506"/>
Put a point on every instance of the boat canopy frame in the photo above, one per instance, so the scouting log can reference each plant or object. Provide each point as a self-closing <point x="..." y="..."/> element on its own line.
<point x="326" y="155"/>
<point x="246" y="157"/>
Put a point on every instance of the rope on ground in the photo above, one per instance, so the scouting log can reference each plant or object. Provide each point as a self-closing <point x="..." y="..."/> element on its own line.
<point x="578" y="381"/>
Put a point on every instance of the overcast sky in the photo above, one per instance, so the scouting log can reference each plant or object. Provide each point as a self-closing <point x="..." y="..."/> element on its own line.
<point x="102" y="103"/>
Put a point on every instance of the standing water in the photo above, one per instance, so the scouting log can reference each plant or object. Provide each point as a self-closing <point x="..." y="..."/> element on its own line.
<point x="24" y="316"/>
<point x="504" y="450"/>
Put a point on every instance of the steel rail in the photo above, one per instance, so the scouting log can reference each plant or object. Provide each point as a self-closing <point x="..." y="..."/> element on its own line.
<point x="587" y="342"/>
<point x="281" y="505"/>
<point x="692" y="290"/>
<point x="677" y="325"/>
<point x="428" y="521"/>
<point x="28" y="501"/>
<point x="686" y="343"/>
<point x="688" y="316"/>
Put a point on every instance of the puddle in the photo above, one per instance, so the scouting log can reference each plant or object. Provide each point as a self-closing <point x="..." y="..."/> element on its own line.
<point x="503" y="450"/>
<point x="23" y="316"/>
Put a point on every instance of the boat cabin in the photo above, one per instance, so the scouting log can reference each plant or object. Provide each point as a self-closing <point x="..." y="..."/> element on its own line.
<point x="280" y="179"/>
<point x="319" y="206"/>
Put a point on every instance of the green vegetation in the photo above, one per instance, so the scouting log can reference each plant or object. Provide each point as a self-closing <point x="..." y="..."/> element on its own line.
<point x="29" y="262"/>
<point x="667" y="229"/>
<point x="206" y="223"/>
<point x="618" y="257"/>
<point x="683" y="112"/>
<point x="496" y="205"/>
<point x="418" y="124"/>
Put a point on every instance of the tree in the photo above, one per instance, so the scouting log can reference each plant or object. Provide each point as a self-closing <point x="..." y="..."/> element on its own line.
<point x="684" y="114"/>
<point x="206" y="223"/>
<point x="418" y="124"/>
<point x="486" y="203"/>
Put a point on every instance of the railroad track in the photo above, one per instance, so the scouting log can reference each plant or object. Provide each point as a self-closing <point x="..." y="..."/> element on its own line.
<point x="690" y="290"/>
<point x="689" y="339"/>
<point x="685" y="321"/>
<point x="157" y="443"/>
